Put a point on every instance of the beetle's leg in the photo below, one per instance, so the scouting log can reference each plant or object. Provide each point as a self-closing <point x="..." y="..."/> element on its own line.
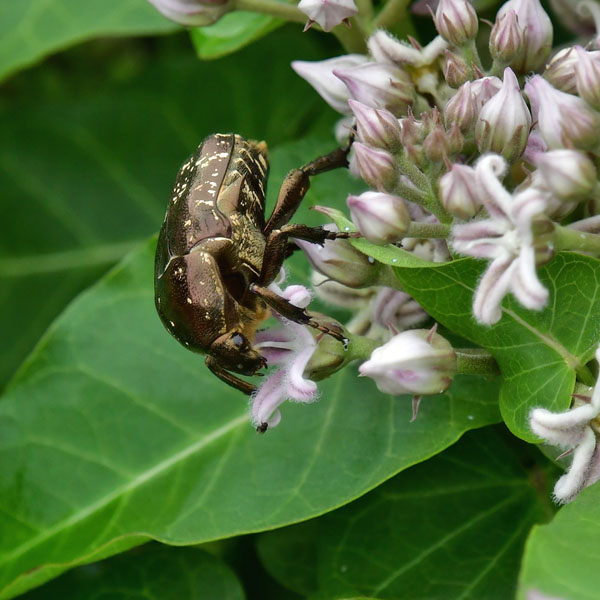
<point x="276" y="249"/>
<point x="296" y="184"/>
<point x="293" y="313"/>
<point x="229" y="378"/>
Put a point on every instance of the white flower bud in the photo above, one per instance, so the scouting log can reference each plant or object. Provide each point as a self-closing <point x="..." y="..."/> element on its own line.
<point x="504" y="121"/>
<point x="568" y="174"/>
<point x="587" y="77"/>
<point x="417" y="362"/>
<point x="458" y="191"/>
<point x="376" y="127"/>
<point x="380" y="218"/>
<point x="537" y="34"/>
<point x="506" y="38"/>
<point x="327" y="13"/>
<point x="385" y="48"/>
<point x="562" y="119"/>
<point x="456" y="70"/>
<point x="560" y="71"/>
<point x="379" y="85"/>
<point x="377" y="167"/>
<point x="193" y="13"/>
<point x="456" y="21"/>
<point x="320" y="75"/>
<point x="460" y="109"/>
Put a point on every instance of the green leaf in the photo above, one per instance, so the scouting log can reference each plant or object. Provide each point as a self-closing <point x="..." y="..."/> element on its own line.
<point x="453" y="527"/>
<point x="154" y="572"/>
<point x="90" y="172"/>
<point x="112" y="433"/>
<point x="232" y="32"/>
<point x="561" y="558"/>
<point x="538" y="352"/>
<point x="33" y="29"/>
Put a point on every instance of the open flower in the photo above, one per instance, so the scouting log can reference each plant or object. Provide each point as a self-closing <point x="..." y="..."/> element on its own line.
<point x="507" y="239"/>
<point x="574" y="430"/>
<point x="290" y="348"/>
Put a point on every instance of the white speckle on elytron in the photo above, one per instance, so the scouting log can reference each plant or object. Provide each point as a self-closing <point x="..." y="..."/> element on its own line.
<point x="171" y="323"/>
<point x="371" y="259"/>
<point x="188" y="300"/>
<point x="187" y="223"/>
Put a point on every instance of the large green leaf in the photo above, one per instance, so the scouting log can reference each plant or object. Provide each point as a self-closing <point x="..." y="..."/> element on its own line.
<point x="89" y="170"/>
<point x="32" y="29"/>
<point x="153" y="572"/>
<point x="453" y="527"/>
<point x="112" y="433"/>
<point x="561" y="558"/>
<point x="538" y="352"/>
<point x="232" y="32"/>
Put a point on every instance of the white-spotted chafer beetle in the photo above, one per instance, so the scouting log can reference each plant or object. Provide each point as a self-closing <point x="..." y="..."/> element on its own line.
<point x="217" y="255"/>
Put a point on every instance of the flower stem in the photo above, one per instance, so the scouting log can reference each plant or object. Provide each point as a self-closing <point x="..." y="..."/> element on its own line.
<point x="352" y="38"/>
<point x="469" y="51"/>
<point x="281" y="10"/>
<point x="566" y="238"/>
<point x="393" y="16"/>
<point x="474" y="361"/>
<point x="360" y="348"/>
<point x="428" y="230"/>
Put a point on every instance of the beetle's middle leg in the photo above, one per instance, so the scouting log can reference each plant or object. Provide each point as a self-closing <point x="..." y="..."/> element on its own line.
<point x="296" y="184"/>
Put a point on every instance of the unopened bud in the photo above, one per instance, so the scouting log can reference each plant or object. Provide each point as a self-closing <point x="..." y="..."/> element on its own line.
<point x="455" y="139"/>
<point x="537" y="34"/>
<point x="320" y="75"/>
<point x="380" y="218"/>
<point x="418" y="362"/>
<point x="458" y="191"/>
<point x="340" y="261"/>
<point x="436" y="145"/>
<point x="385" y="48"/>
<point x="379" y="85"/>
<point x="560" y="71"/>
<point x="568" y="174"/>
<point x="456" y="21"/>
<point x="413" y="132"/>
<point x="193" y="13"/>
<point x="456" y="70"/>
<point x="483" y="89"/>
<point x="330" y="354"/>
<point x="376" y="166"/>
<point x="504" y="121"/>
<point x="376" y="127"/>
<point x="587" y="77"/>
<point x="563" y="120"/>
<point x="327" y="13"/>
<point x="506" y="38"/>
<point x="460" y="109"/>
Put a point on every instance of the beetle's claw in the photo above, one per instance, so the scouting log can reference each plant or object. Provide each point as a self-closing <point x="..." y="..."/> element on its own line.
<point x="262" y="428"/>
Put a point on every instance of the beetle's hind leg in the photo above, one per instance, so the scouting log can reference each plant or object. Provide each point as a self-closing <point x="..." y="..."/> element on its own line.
<point x="229" y="378"/>
<point x="293" y="313"/>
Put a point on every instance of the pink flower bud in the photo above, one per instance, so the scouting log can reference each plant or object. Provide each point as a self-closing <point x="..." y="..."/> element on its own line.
<point x="436" y="145"/>
<point x="537" y="34"/>
<point x="587" y="77"/>
<point x="568" y="174"/>
<point x="460" y="109"/>
<point x="379" y="85"/>
<point x="458" y="191"/>
<point x="417" y="362"/>
<point x="413" y="132"/>
<point x="560" y="71"/>
<point x="320" y="75"/>
<point x="456" y="21"/>
<point x="193" y="13"/>
<point x="376" y="127"/>
<point x="483" y="89"/>
<point x="340" y="261"/>
<point x="504" y="121"/>
<point x="456" y="70"/>
<point x="381" y="218"/>
<point x="377" y="167"/>
<point x="563" y="120"/>
<point x="327" y="13"/>
<point x="506" y="38"/>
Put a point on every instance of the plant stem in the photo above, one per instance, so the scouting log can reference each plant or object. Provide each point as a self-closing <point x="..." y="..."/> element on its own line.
<point x="360" y="348"/>
<point x="566" y="238"/>
<point x="469" y="51"/>
<point x="473" y="361"/>
<point x="352" y="38"/>
<point x="428" y="230"/>
<point x="281" y="10"/>
<point x="393" y="15"/>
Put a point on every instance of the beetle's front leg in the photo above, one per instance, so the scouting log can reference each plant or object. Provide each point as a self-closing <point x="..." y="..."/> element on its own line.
<point x="229" y="378"/>
<point x="293" y="313"/>
<point x="296" y="184"/>
<point x="276" y="249"/>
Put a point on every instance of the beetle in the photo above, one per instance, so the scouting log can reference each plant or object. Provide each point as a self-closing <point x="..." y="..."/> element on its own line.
<point x="217" y="254"/>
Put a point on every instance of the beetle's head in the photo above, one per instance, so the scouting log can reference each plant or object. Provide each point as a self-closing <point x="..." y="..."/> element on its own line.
<point x="235" y="353"/>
